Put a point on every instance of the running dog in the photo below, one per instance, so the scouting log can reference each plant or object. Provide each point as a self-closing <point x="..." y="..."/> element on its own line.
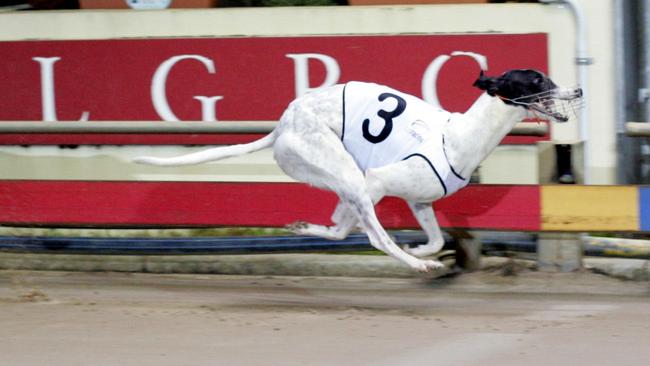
<point x="365" y="141"/>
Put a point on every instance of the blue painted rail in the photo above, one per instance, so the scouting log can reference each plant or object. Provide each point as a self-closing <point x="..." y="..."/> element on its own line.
<point x="194" y="245"/>
<point x="492" y="243"/>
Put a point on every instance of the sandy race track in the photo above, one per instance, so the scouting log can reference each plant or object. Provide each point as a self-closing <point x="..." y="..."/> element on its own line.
<point x="63" y="318"/>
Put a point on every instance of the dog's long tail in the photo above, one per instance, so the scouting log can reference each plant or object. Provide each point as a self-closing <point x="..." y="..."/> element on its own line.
<point x="216" y="153"/>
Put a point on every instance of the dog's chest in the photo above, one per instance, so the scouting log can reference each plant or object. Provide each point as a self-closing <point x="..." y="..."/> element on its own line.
<point x="382" y="125"/>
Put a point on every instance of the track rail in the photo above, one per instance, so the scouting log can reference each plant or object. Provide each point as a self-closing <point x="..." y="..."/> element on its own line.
<point x="188" y="127"/>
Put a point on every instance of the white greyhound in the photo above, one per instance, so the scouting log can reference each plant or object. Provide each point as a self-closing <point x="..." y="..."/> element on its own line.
<point x="366" y="141"/>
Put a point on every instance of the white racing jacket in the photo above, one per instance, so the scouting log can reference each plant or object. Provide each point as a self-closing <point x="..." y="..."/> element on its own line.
<point x="382" y="126"/>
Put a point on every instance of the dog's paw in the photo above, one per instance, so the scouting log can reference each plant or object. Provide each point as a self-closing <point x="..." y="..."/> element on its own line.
<point x="423" y="250"/>
<point x="297" y="227"/>
<point x="425" y="266"/>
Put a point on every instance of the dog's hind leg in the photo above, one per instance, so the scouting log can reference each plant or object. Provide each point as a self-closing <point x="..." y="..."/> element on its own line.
<point x="425" y="216"/>
<point x="343" y="219"/>
<point x="319" y="158"/>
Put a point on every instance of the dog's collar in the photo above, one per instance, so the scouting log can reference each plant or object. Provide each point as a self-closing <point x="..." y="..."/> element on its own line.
<point x="511" y="101"/>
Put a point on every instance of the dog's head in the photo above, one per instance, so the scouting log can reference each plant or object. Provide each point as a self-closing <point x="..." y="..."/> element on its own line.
<point x="534" y="91"/>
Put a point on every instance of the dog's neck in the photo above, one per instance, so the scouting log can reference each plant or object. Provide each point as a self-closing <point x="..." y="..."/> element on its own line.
<point x="470" y="137"/>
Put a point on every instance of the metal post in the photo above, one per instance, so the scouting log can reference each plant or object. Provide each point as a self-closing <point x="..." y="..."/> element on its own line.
<point x="625" y="53"/>
<point x="643" y="24"/>
<point x="644" y="57"/>
<point x="582" y="60"/>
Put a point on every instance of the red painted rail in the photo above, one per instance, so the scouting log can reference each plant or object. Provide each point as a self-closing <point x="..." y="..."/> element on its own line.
<point x="131" y="204"/>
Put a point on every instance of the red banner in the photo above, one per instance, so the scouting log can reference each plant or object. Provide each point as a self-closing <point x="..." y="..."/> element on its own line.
<point x="236" y="78"/>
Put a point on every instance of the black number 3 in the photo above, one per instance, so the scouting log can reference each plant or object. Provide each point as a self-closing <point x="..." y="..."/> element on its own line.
<point x="387" y="116"/>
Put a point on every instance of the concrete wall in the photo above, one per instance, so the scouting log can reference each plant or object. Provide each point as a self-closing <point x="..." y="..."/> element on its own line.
<point x="508" y="18"/>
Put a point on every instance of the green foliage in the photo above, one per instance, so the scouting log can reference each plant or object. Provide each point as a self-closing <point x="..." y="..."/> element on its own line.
<point x="243" y="3"/>
<point x="297" y="2"/>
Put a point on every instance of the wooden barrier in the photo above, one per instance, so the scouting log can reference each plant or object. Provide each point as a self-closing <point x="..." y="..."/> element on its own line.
<point x="565" y="208"/>
<point x="591" y="208"/>
<point x="95" y="203"/>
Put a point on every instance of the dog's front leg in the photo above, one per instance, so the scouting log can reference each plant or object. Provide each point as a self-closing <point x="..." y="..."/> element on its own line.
<point x="425" y="216"/>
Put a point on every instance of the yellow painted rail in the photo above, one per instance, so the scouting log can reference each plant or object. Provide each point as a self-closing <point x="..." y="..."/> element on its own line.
<point x="591" y="208"/>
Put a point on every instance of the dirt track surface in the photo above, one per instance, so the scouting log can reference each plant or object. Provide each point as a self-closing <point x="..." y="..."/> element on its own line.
<point x="58" y="318"/>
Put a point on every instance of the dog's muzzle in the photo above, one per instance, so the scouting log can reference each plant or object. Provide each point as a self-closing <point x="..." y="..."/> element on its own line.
<point x="560" y="104"/>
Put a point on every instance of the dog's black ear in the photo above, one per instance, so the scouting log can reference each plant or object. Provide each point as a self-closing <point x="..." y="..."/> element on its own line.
<point x="489" y="84"/>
